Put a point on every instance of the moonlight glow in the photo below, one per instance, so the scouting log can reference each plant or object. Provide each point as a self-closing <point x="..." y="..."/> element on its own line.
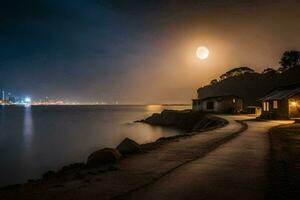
<point x="202" y="53"/>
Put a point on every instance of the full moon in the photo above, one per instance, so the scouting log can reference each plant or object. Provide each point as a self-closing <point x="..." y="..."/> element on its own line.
<point x="202" y="53"/>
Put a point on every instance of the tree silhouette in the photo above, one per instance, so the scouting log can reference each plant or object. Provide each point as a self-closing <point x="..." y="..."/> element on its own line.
<point x="214" y="81"/>
<point x="289" y="59"/>
<point x="269" y="71"/>
<point x="236" y="72"/>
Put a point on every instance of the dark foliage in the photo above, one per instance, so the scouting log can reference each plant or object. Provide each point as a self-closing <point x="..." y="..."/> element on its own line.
<point x="236" y="72"/>
<point x="290" y="59"/>
<point x="215" y="81"/>
<point x="269" y="71"/>
<point x="251" y="86"/>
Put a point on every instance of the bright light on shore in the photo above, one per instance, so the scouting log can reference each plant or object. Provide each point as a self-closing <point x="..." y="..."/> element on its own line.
<point x="27" y="100"/>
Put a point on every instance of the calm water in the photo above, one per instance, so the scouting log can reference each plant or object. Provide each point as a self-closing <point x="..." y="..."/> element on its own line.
<point x="36" y="139"/>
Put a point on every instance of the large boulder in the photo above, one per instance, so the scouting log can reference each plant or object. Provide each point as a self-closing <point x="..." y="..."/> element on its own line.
<point x="185" y="120"/>
<point x="128" y="146"/>
<point x="103" y="156"/>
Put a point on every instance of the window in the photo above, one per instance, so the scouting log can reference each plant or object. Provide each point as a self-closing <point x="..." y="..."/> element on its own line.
<point x="275" y="104"/>
<point x="210" y="105"/>
<point x="266" y="106"/>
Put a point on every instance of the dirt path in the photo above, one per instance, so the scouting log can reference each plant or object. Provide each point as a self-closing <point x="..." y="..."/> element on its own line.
<point x="235" y="170"/>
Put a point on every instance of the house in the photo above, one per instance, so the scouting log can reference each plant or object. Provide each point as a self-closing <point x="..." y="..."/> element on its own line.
<point x="219" y="104"/>
<point x="283" y="103"/>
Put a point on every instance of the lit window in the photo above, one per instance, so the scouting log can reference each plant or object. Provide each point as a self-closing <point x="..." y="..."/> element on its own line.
<point x="275" y="104"/>
<point x="266" y="106"/>
<point x="294" y="103"/>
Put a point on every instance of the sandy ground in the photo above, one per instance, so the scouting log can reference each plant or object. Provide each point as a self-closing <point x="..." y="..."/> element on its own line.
<point x="226" y="162"/>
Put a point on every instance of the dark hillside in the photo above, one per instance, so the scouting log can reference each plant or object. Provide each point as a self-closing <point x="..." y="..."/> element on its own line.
<point x="251" y="86"/>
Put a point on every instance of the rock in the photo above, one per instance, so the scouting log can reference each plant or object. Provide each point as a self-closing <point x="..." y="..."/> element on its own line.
<point x="112" y="168"/>
<point x="30" y="181"/>
<point x="185" y="120"/>
<point x="103" y="156"/>
<point x="49" y="174"/>
<point x="128" y="146"/>
<point x="79" y="176"/>
<point x="161" y="139"/>
<point x="93" y="172"/>
<point x="11" y="187"/>
<point x="72" y="166"/>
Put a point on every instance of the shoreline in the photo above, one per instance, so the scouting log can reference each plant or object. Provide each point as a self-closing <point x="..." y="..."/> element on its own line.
<point x="133" y="172"/>
<point x="164" y="140"/>
<point x="146" y="147"/>
<point x="90" y="104"/>
<point x="137" y="170"/>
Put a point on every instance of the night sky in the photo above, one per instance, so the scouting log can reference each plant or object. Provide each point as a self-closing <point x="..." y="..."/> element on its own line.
<point x="135" y="51"/>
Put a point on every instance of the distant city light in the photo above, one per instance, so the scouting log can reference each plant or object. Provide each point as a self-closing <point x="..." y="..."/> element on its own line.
<point x="7" y="98"/>
<point x="27" y="100"/>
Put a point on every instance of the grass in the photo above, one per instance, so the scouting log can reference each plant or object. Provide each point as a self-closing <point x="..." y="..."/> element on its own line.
<point x="285" y="161"/>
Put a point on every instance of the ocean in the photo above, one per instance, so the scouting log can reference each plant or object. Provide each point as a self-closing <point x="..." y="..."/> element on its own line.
<point x="36" y="139"/>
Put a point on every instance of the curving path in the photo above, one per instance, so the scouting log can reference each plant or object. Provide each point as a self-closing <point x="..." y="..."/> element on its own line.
<point x="235" y="170"/>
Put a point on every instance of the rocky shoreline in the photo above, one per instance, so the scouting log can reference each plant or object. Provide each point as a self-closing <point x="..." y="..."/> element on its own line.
<point x="186" y="120"/>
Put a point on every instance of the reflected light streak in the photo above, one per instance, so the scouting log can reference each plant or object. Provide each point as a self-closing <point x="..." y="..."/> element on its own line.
<point x="28" y="126"/>
<point x="27" y="138"/>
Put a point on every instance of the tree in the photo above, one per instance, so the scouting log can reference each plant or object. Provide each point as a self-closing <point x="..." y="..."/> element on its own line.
<point x="223" y="77"/>
<point x="236" y="72"/>
<point x="289" y="59"/>
<point x="269" y="71"/>
<point x="215" y="81"/>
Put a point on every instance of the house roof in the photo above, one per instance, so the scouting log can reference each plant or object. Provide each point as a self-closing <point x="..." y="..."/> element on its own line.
<point x="281" y="94"/>
<point x="218" y="98"/>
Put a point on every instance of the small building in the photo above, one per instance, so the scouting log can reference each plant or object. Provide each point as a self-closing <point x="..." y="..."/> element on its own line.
<point x="283" y="103"/>
<point x="219" y="104"/>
